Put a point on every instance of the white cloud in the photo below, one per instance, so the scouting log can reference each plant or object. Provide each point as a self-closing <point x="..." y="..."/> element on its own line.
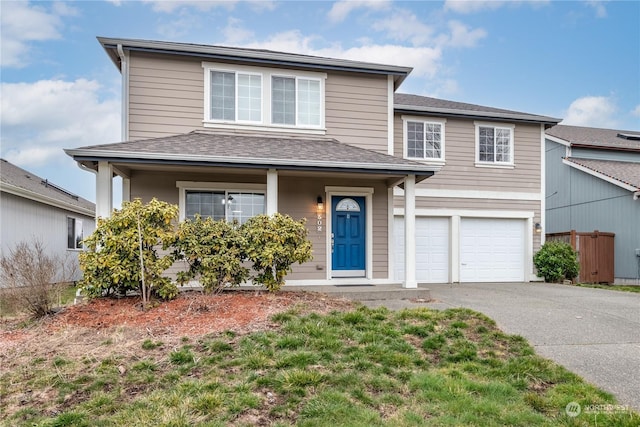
<point x="234" y="33"/>
<point x="40" y="119"/>
<point x="461" y="36"/>
<point x="592" y="111"/>
<point x="404" y="25"/>
<point x="342" y="8"/>
<point x="598" y="7"/>
<point x="472" y="6"/>
<point x="636" y="111"/>
<point x="23" y="23"/>
<point x="170" y="6"/>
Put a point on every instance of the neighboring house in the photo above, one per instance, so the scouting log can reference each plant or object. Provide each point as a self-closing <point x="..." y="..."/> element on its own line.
<point x="32" y="208"/>
<point x="230" y="133"/>
<point x="593" y="183"/>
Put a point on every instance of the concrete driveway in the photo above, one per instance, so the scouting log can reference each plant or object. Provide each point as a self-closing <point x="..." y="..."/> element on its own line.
<point x="592" y="332"/>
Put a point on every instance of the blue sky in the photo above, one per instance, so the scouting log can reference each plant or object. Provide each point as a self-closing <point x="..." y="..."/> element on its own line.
<point x="577" y="60"/>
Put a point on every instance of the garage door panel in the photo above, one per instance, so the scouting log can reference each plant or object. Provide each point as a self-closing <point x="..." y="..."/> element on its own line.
<point x="432" y="249"/>
<point x="492" y="250"/>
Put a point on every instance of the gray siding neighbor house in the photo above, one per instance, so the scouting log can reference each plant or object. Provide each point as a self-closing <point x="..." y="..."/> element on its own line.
<point x="396" y="188"/>
<point x="593" y="183"/>
<point x="32" y="208"/>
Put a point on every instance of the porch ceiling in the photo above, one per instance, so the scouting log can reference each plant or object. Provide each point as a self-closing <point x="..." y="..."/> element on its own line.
<point x="236" y="151"/>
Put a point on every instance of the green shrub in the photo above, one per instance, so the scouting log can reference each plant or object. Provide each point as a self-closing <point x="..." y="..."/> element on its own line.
<point x="112" y="262"/>
<point x="274" y="243"/>
<point x="214" y="251"/>
<point x="556" y="261"/>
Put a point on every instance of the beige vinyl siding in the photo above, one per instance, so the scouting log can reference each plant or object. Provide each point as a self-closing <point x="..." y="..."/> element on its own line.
<point x="166" y="97"/>
<point x="460" y="172"/>
<point x="297" y="198"/>
<point x="479" y="205"/>
<point x="356" y="110"/>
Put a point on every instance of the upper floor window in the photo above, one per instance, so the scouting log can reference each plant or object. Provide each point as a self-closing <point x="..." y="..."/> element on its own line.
<point x="424" y="140"/>
<point x="494" y="144"/>
<point x="244" y="96"/>
<point x="75" y="235"/>
<point x="236" y="96"/>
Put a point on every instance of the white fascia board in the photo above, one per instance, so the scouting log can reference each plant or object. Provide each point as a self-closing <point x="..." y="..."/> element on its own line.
<point x="472" y="194"/>
<point x="557" y="140"/>
<point x="259" y="162"/>
<point x="21" y="192"/>
<point x="600" y="175"/>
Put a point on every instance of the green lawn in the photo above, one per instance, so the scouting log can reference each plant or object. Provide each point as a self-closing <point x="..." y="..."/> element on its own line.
<point x="624" y="288"/>
<point x="358" y="368"/>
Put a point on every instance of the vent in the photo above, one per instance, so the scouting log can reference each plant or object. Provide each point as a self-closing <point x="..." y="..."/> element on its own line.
<point x="48" y="184"/>
<point x="631" y="136"/>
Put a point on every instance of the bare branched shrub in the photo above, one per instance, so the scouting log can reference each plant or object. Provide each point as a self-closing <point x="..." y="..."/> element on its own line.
<point x="31" y="279"/>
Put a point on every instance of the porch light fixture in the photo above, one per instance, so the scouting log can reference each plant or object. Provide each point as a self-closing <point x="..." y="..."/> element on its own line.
<point x="320" y="206"/>
<point x="537" y="227"/>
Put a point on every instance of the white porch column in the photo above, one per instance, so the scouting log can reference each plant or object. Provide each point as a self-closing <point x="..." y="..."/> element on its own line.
<point x="272" y="191"/>
<point x="104" y="190"/>
<point x="410" y="232"/>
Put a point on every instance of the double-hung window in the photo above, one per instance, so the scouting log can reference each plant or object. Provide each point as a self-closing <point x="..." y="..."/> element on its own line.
<point x="424" y="139"/>
<point x="494" y="144"/>
<point x="295" y="101"/>
<point x="235" y="96"/>
<point x="75" y="236"/>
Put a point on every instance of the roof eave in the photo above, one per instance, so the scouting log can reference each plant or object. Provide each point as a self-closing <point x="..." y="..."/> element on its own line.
<point x="81" y="155"/>
<point x="249" y="55"/>
<point x="484" y="115"/>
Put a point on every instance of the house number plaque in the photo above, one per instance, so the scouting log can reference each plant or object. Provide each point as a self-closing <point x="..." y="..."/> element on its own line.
<point x="319" y="222"/>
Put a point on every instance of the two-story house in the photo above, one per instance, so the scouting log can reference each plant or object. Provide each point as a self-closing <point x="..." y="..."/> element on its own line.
<point x="593" y="183"/>
<point x="230" y="133"/>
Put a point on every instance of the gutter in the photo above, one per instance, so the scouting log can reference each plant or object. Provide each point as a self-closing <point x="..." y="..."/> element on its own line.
<point x="124" y="70"/>
<point x="452" y="112"/>
<point x="636" y="195"/>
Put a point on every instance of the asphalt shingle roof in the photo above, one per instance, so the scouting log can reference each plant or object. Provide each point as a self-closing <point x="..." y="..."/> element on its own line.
<point x="404" y="101"/>
<point x="595" y="137"/>
<point x="625" y="172"/>
<point x="256" y="149"/>
<point x="12" y="175"/>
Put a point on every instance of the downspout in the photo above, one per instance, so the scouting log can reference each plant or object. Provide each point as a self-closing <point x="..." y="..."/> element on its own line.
<point x="124" y="70"/>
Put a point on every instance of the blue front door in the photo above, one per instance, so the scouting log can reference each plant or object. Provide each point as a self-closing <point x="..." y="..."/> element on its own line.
<point x="348" y="247"/>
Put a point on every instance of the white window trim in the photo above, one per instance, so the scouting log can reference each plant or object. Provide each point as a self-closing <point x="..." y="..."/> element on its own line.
<point x="497" y="165"/>
<point x="297" y="78"/>
<point x="207" y="97"/>
<point x="266" y="74"/>
<point x="184" y="186"/>
<point x="405" y="149"/>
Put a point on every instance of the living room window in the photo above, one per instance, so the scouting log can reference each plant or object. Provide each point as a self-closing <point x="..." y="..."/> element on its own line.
<point x="263" y="98"/>
<point x="221" y="201"/>
<point x="75" y="235"/>
<point x="424" y="139"/>
<point x="494" y="145"/>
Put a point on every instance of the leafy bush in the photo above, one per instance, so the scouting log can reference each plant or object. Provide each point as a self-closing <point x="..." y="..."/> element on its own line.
<point x="32" y="280"/>
<point x="274" y="243"/>
<point x="556" y="261"/>
<point x="113" y="261"/>
<point x="214" y="251"/>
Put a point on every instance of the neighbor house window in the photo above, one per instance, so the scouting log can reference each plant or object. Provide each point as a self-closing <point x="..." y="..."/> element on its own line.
<point x="494" y="144"/>
<point x="295" y="101"/>
<point x="75" y="235"/>
<point x="235" y="96"/>
<point x="224" y="205"/>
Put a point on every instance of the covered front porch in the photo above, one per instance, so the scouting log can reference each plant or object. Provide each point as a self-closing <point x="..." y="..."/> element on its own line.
<point x="347" y="198"/>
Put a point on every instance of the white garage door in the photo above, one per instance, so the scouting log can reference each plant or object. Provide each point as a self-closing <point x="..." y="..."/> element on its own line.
<point x="492" y="250"/>
<point x="432" y="249"/>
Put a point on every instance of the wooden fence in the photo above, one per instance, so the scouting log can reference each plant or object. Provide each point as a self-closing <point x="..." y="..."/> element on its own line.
<point x="595" y="251"/>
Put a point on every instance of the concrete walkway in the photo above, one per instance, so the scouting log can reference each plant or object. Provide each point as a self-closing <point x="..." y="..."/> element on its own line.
<point x="592" y="332"/>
